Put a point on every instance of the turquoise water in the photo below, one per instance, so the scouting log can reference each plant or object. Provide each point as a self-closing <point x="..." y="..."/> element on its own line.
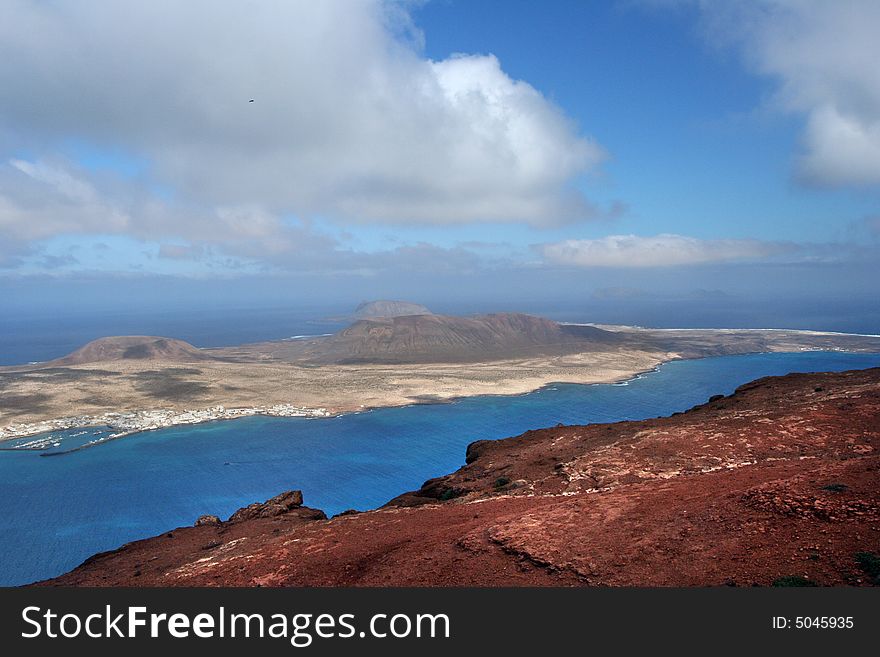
<point x="55" y="512"/>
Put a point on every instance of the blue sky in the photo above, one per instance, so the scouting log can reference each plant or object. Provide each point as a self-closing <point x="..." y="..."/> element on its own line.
<point x="694" y="149"/>
<point x="653" y="146"/>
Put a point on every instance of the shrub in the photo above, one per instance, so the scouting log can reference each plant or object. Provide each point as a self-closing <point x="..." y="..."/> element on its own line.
<point x="835" y="488"/>
<point x="793" y="580"/>
<point x="869" y="562"/>
<point x="501" y="482"/>
<point x="451" y="493"/>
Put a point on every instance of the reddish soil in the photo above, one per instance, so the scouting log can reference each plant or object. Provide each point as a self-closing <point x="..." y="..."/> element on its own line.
<point x="780" y="479"/>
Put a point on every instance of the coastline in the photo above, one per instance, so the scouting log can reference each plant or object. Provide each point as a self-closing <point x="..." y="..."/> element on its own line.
<point x="722" y="330"/>
<point x="135" y="395"/>
<point x="127" y="423"/>
<point x="131" y="422"/>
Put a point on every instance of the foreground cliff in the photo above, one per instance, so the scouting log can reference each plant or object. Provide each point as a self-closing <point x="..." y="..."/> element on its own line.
<point x="779" y="482"/>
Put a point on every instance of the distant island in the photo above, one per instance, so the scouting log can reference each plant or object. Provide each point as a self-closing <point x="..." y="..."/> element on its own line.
<point x="385" y="358"/>
<point x="385" y="308"/>
<point x="382" y="308"/>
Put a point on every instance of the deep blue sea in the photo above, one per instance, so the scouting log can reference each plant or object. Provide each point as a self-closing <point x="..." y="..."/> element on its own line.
<point x="56" y="511"/>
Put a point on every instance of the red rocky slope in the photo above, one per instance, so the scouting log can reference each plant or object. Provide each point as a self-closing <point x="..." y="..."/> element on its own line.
<point x="780" y="479"/>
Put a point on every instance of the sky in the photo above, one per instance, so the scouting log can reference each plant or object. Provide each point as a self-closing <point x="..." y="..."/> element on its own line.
<point x="491" y="154"/>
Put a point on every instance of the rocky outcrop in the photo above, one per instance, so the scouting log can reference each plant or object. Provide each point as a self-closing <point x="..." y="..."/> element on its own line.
<point x="780" y="480"/>
<point x="275" y="506"/>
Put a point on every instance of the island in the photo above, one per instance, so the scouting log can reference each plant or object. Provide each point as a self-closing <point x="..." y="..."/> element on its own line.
<point x="139" y="383"/>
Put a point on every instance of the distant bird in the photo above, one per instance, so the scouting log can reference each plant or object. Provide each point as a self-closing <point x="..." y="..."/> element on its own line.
<point x="251" y="100"/>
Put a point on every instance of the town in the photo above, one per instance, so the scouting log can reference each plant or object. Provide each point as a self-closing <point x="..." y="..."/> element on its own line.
<point x="128" y="423"/>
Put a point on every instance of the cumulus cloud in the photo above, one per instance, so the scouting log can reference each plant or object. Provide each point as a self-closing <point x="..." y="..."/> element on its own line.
<point x="657" y="251"/>
<point x="349" y="120"/>
<point x="825" y="57"/>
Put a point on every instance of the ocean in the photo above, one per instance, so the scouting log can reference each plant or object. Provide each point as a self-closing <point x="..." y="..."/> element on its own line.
<point x="56" y="511"/>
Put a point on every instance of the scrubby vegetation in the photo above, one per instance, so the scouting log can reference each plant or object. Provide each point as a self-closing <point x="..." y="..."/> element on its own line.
<point x="869" y="562"/>
<point x="793" y="580"/>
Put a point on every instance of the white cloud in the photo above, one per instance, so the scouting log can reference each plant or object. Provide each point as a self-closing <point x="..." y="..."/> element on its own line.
<point x="824" y="55"/>
<point x="841" y="149"/>
<point x="658" y="251"/>
<point x="41" y="200"/>
<point x="349" y="120"/>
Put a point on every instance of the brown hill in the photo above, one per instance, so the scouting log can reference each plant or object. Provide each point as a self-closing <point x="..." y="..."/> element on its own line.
<point x="430" y="338"/>
<point x="132" y="347"/>
<point x="779" y="480"/>
<point x="441" y="338"/>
